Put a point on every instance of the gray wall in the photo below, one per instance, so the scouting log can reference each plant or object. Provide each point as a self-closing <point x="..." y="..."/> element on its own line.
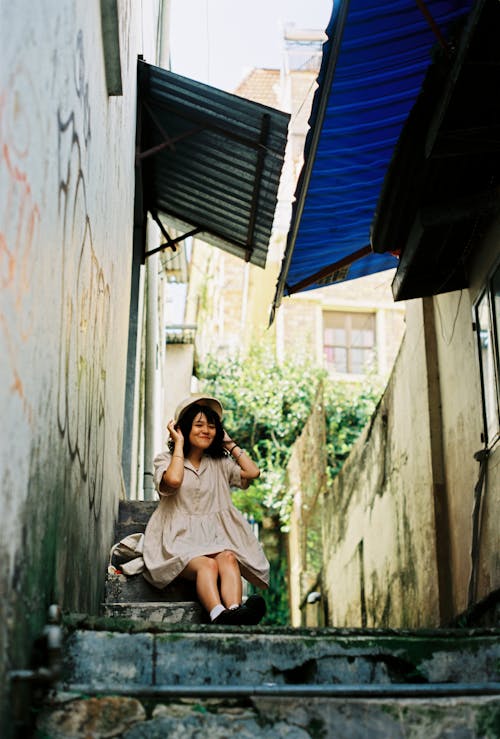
<point x="398" y="519"/>
<point x="66" y="216"/>
<point x="379" y="551"/>
<point x="462" y="427"/>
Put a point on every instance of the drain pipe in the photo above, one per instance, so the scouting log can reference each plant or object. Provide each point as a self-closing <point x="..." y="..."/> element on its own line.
<point x="150" y="380"/>
<point x="268" y="690"/>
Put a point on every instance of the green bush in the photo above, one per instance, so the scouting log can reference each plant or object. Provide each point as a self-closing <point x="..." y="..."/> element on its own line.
<point x="266" y="407"/>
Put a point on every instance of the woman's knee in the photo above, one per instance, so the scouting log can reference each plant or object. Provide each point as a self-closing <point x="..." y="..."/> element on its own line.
<point x="227" y="559"/>
<point x="209" y="565"/>
<point x="199" y="565"/>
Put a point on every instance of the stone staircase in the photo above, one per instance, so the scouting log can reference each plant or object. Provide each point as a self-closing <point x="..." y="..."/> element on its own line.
<point x="150" y="668"/>
<point x="133" y="597"/>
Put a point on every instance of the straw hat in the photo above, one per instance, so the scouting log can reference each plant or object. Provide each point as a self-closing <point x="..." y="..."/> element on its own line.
<point x="200" y="399"/>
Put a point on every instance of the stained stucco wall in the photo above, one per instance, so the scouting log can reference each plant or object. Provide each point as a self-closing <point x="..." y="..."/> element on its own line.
<point x="306" y="483"/>
<point x="66" y="214"/>
<point x="398" y="520"/>
<point x="379" y="546"/>
<point x="462" y="428"/>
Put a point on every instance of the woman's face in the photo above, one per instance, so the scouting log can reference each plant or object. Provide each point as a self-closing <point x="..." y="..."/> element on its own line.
<point x="202" y="432"/>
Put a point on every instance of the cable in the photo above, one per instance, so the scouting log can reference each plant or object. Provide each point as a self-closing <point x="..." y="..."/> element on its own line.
<point x="441" y="322"/>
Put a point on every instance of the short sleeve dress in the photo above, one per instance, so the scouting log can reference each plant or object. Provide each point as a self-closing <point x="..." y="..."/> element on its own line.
<point x="199" y="518"/>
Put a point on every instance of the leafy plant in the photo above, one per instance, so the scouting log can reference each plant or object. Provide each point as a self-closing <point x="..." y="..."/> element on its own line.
<point x="266" y="407"/>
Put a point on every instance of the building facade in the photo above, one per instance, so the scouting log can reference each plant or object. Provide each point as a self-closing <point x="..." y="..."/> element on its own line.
<point x="425" y="473"/>
<point x="68" y="92"/>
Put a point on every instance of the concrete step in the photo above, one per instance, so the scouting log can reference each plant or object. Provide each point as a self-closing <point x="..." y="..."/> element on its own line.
<point x="120" y="589"/>
<point x="144" y="680"/>
<point x="135" y="589"/>
<point x="175" y="612"/>
<point x="133" y="516"/>
<point x="145" y="654"/>
<point x="66" y="717"/>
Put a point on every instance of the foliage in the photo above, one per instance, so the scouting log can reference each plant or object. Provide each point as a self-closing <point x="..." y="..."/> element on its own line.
<point x="278" y="607"/>
<point x="266" y="407"/>
<point x="347" y="409"/>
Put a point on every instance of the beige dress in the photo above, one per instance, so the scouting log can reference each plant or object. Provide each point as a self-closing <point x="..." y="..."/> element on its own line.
<point x="199" y="518"/>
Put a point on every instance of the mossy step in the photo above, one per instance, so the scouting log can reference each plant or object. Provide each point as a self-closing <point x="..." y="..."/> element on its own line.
<point x="158" y="612"/>
<point x="135" y="589"/>
<point x="262" y="718"/>
<point x="133" y="516"/>
<point x="242" y="655"/>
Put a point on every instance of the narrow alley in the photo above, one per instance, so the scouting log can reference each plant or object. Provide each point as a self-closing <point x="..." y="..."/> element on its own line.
<point x="316" y="243"/>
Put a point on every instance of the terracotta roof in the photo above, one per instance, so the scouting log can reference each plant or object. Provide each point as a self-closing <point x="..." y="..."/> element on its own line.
<point x="261" y="86"/>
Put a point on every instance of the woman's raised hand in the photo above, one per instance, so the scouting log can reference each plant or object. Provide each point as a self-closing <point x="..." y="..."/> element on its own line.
<point x="175" y="434"/>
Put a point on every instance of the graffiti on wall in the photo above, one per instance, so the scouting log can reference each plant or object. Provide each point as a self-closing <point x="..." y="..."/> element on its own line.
<point x="19" y="223"/>
<point x="85" y="296"/>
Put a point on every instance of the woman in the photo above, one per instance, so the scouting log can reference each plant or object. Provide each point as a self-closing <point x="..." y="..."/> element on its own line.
<point x="196" y="532"/>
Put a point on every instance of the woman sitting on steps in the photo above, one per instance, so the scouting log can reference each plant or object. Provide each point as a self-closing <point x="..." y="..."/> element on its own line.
<point x="196" y="532"/>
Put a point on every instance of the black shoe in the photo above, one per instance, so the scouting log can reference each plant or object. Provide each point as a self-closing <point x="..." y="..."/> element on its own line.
<point x="257" y="604"/>
<point x="229" y="617"/>
<point x="253" y="611"/>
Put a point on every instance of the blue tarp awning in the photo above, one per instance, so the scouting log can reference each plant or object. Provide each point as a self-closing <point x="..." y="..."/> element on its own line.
<point x="374" y="63"/>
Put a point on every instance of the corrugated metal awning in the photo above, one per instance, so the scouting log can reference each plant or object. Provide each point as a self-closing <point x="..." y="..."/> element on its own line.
<point x="211" y="161"/>
<point x="374" y="64"/>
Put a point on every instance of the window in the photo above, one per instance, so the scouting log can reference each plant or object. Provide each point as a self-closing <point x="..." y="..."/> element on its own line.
<point x="349" y="342"/>
<point x="487" y="324"/>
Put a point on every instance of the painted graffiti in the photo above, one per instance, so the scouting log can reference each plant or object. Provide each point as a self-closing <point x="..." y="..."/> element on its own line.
<point x="85" y="298"/>
<point x="19" y="223"/>
<point x="82" y="87"/>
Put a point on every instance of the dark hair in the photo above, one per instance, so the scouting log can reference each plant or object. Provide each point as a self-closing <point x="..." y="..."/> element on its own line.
<point x="216" y="449"/>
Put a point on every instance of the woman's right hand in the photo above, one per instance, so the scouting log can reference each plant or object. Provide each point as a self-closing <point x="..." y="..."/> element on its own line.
<point x="175" y="433"/>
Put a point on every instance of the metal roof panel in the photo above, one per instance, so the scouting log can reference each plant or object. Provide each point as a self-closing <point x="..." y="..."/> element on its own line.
<point x="211" y="160"/>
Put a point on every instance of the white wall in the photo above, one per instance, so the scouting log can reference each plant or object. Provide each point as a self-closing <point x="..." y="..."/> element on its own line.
<point x="66" y="216"/>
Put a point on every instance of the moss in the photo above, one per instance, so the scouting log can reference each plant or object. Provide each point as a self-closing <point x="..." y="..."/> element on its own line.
<point x="316" y="728"/>
<point x="488" y="721"/>
<point x="392" y="710"/>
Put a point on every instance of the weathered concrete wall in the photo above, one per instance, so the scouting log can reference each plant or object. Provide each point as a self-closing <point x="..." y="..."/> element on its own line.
<point x="462" y="426"/>
<point x="398" y="520"/>
<point x="306" y="481"/>
<point x="379" y="548"/>
<point x="66" y="213"/>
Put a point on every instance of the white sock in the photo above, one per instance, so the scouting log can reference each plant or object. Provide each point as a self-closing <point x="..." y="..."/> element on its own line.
<point x="235" y="605"/>
<point x="216" y="611"/>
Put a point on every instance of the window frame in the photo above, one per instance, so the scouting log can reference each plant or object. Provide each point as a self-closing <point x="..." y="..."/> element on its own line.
<point x="349" y="346"/>
<point x="487" y="292"/>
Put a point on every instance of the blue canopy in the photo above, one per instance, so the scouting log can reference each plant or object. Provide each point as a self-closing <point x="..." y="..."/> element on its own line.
<point x="374" y="63"/>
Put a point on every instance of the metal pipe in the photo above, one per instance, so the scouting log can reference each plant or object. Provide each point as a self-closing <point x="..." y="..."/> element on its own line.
<point x="150" y="375"/>
<point x="268" y="690"/>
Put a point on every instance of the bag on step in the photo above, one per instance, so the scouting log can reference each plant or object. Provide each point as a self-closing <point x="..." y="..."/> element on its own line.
<point x="129" y="551"/>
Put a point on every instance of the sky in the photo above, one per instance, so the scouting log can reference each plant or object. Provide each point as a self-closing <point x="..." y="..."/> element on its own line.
<point x="219" y="41"/>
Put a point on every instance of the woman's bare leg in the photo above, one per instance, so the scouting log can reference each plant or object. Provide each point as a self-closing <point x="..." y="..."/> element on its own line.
<point x="230" y="578"/>
<point x="205" y="573"/>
